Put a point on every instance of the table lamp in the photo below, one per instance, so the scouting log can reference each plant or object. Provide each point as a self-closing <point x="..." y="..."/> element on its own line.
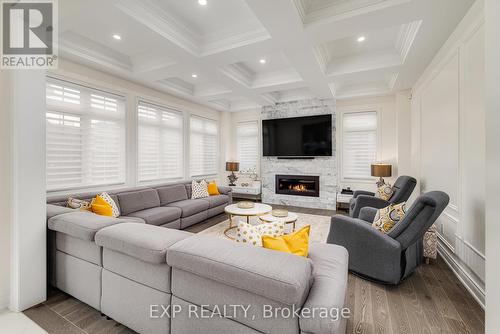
<point x="232" y="166"/>
<point x="381" y="171"/>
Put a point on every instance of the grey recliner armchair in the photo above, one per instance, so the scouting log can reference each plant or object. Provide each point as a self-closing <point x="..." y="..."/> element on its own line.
<point x="403" y="187"/>
<point x="387" y="258"/>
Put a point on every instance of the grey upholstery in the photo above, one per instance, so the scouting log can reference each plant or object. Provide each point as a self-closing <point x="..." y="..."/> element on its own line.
<point x="54" y="210"/>
<point x="158" y="216"/>
<point x="144" y="242"/>
<point x="81" y="224"/>
<point x="403" y="187"/>
<point x="172" y="193"/>
<point x="216" y="200"/>
<point x="191" y="207"/>
<point x="391" y="257"/>
<point x="134" y="201"/>
<point x="241" y="266"/>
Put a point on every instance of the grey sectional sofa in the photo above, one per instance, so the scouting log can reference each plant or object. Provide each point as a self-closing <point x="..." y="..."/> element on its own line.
<point x="133" y="272"/>
<point x="167" y="205"/>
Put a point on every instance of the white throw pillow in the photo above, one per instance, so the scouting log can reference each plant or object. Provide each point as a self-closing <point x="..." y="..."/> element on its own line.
<point x="105" y="196"/>
<point x="199" y="189"/>
<point x="252" y="235"/>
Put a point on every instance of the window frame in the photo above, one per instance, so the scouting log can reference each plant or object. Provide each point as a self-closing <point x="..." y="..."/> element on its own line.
<point x="340" y="141"/>
<point x="257" y="164"/>
<point x="217" y="147"/>
<point x="183" y="139"/>
<point x="124" y="121"/>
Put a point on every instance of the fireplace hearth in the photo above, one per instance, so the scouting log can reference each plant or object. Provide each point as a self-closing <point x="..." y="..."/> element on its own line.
<point x="299" y="185"/>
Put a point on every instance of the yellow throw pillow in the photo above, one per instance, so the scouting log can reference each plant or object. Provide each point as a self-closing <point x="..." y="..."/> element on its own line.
<point x="101" y="207"/>
<point x="212" y="189"/>
<point x="296" y="243"/>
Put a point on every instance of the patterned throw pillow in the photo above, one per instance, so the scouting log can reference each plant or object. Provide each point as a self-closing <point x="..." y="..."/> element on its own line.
<point x="199" y="189"/>
<point x="76" y="203"/>
<point x="385" y="191"/>
<point x="105" y="196"/>
<point x="388" y="217"/>
<point x="252" y="235"/>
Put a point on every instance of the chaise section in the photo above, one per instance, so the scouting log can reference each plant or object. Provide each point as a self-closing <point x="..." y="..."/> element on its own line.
<point x="193" y="211"/>
<point x="216" y="272"/>
<point x="134" y="260"/>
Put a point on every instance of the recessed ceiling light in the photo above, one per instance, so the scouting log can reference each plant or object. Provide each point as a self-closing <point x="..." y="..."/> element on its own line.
<point x="194" y="75"/>
<point x="117" y="37"/>
<point x="361" y="39"/>
<point x="202" y="2"/>
<point x="262" y="61"/>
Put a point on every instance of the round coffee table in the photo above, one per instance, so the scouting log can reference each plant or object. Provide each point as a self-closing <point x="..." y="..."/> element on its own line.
<point x="290" y="219"/>
<point x="233" y="210"/>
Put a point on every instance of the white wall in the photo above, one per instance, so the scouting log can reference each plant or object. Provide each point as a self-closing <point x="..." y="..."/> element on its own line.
<point x="492" y="166"/>
<point x="22" y="180"/>
<point x="134" y="92"/>
<point x="393" y="135"/>
<point x="448" y="142"/>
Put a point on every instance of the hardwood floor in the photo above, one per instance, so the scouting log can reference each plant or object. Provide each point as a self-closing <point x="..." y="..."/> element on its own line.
<point x="432" y="300"/>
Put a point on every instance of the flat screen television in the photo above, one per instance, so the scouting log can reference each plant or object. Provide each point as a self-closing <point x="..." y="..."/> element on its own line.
<point x="309" y="136"/>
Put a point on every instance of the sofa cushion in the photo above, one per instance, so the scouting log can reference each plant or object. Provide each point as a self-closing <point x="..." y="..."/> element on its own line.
<point x="158" y="216"/>
<point x="133" y="219"/>
<point x="81" y="224"/>
<point x="54" y="210"/>
<point x="190" y="207"/>
<point x="173" y="193"/>
<point x="330" y="265"/>
<point x="217" y="200"/>
<point x="252" y="269"/>
<point x="138" y="200"/>
<point x="145" y="242"/>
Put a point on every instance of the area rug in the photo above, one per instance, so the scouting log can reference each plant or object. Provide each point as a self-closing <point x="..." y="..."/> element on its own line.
<point x="320" y="226"/>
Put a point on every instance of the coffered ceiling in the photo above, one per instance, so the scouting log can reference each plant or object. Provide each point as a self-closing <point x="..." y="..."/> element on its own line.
<point x="242" y="54"/>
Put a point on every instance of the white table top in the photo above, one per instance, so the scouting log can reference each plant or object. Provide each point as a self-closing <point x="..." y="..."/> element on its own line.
<point x="288" y="219"/>
<point x="257" y="210"/>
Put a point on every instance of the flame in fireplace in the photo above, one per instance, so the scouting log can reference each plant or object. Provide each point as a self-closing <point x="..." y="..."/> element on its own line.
<point x="297" y="187"/>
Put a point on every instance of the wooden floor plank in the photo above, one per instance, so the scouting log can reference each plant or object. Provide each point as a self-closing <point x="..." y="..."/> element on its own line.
<point x="414" y="309"/>
<point x="363" y="308"/>
<point x="399" y="319"/>
<point x="351" y="300"/>
<point x="380" y="309"/>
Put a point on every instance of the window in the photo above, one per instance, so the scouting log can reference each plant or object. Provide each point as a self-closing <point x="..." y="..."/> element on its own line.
<point x="85" y="136"/>
<point x="160" y="142"/>
<point x="203" y="142"/>
<point x="359" y="144"/>
<point x="247" y="137"/>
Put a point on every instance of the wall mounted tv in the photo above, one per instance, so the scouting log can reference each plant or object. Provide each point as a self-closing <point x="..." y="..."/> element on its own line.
<point x="309" y="136"/>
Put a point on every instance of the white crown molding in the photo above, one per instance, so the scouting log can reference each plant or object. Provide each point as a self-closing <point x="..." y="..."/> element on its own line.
<point x="223" y="104"/>
<point x="239" y="73"/>
<point x="322" y="56"/>
<point x="406" y="38"/>
<point x="161" y="22"/>
<point x="176" y="87"/>
<point x="275" y="78"/>
<point x="346" y="9"/>
<point x="219" y="44"/>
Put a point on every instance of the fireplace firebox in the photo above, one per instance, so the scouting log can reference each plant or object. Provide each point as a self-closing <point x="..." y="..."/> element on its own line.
<point x="301" y="185"/>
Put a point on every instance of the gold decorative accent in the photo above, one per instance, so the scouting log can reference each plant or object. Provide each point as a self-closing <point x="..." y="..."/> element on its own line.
<point x="279" y="212"/>
<point x="246" y="205"/>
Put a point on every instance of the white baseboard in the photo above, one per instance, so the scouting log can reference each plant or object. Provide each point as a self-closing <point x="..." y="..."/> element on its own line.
<point x="467" y="278"/>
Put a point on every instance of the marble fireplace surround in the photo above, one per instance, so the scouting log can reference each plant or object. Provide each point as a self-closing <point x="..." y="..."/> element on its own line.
<point x="324" y="167"/>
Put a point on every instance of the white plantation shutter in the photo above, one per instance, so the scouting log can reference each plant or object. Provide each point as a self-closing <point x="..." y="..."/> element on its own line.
<point x="247" y="137"/>
<point x="359" y="144"/>
<point x="85" y="133"/>
<point x="160" y="142"/>
<point x="204" y="134"/>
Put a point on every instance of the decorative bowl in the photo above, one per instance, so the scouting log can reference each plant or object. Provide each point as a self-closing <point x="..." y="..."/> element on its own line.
<point x="279" y="212"/>
<point x="246" y="205"/>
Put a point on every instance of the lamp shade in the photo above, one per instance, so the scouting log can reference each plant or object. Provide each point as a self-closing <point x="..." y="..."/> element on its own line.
<point x="232" y="166"/>
<point x="381" y="170"/>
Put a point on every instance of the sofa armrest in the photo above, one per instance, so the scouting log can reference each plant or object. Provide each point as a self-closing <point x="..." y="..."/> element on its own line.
<point x="55" y="210"/>
<point x="81" y="224"/>
<point x="365" y="200"/>
<point x="367" y="247"/>
<point x="329" y="290"/>
<point x="225" y="190"/>
<point x="362" y="192"/>
<point x="368" y="214"/>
